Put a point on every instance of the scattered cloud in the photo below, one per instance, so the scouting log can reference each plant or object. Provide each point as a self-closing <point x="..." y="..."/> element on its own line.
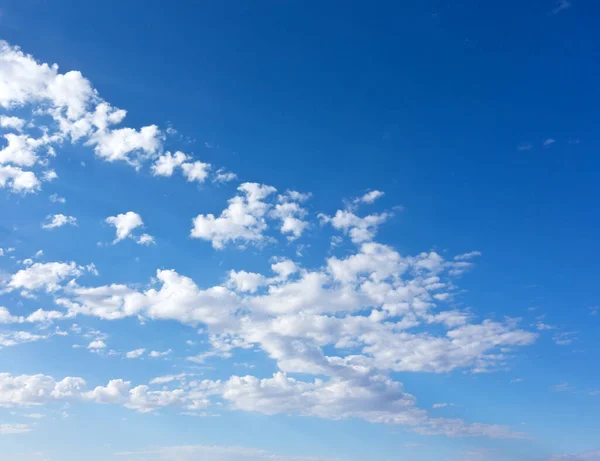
<point x="561" y="5"/>
<point x="59" y="220"/>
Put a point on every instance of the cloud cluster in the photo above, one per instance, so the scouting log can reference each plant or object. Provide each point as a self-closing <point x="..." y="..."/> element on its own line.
<point x="244" y="221"/>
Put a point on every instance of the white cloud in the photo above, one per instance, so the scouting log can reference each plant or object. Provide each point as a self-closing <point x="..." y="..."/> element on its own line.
<point x="55" y="198"/>
<point x="178" y="298"/>
<point x="127" y="144"/>
<point x="146" y="239"/>
<point x="44" y="275"/>
<point x="158" y="354"/>
<point x="291" y="214"/>
<point x="370" y="197"/>
<point x="49" y="175"/>
<point x="124" y="224"/>
<point x="196" y="171"/>
<point x="242" y="221"/>
<point x="192" y="170"/>
<point x="96" y="345"/>
<point x="59" y="220"/>
<point x="359" y="229"/>
<point x="549" y="142"/>
<point x="134" y="354"/>
<point x="222" y="176"/>
<point x="165" y="164"/>
<point x="243" y="281"/>
<point x="14" y="338"/>
<point x="18" y="180"/>
<point x="14" y="123"/>
<point x="439" y="405"/>
<point x="467" y="256"/>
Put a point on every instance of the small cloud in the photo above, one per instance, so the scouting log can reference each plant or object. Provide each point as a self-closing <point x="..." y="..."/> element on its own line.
<point x="561" y="5"/>
<point x="548" y="142"/>
<point x="49" y="175"/>
<point x="516" y="380"/>
<point x="160" y="354"/>
<point x="565" y="338"/>
<point x="55" y="198"/>
<point x="562" y="387"/>
<point x="370" y="197"/>
<point x="97" y="345"/>
<point x="59" y="220"/>
<point x="441" y="405"/>
<point x="467" y="256"/>
<point x="222" y="176"/>
<point x="541" y="326"/>
<point x="525" y="146"/>
<point x="135" y="353"/>
<point x="146" y="239"/>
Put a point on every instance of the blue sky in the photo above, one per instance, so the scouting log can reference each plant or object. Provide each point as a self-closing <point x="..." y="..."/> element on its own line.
<point x="299" y="231"/>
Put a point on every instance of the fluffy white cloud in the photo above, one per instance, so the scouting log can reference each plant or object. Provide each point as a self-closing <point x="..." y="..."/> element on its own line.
<point x="22" y="150"/>
<point x="178" y="298"/>
<point x="291" y="214"/>
<point x="195" y="171"/>
<point x="373" y="398"/>
<point x="124" y="224"/>
<point x="97" y="344"/>
<point x="243" y="281"/>
<point x="18" y="180"/>
<point x="359" y="229"/>
<point x="146" y="239"/>
<point x="44" y="275"/>
<point x="242" y="221"/>
<point x="14" y="123"/>
<point x="59" y="220"/>
<point x="222" y="176"/>
<point x="127" y="144"/>
<point x="165" y="164"/>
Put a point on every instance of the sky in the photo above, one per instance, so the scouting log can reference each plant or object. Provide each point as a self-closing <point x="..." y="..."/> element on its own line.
<point x="299" y="231"/>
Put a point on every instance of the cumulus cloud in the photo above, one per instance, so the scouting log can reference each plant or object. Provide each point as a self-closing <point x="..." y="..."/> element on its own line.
<point x="125" y="224"/>
<point x="45" y="275"/>
<point x="14" y="123"/>
<point x="359" y="229"/>
<point x="242" y="221"/>
<point x="59" y="220"/>
<point x="18" y="180"/>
